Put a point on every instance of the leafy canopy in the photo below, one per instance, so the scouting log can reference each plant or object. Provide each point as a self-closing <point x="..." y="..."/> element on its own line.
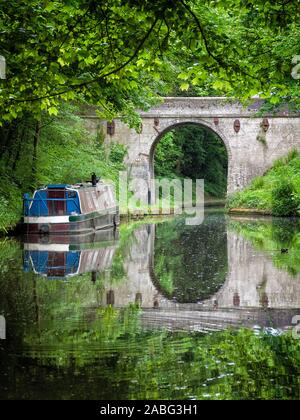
<point x="121" y="55"/>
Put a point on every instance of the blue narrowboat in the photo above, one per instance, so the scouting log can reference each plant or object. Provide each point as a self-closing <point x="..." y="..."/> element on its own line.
<point x="70" y="209"/>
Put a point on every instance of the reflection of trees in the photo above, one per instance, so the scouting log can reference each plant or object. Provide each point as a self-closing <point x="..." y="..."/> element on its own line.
<point x="272" y="236"/>
<point x="190" y="264"/>
<point x="17" y="297"/>
<point x="126" y="241"/>
<point x="112" y="356"/>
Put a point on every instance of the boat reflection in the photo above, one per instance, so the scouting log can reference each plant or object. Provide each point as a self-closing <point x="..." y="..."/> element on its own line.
<point x="62" y="257"/>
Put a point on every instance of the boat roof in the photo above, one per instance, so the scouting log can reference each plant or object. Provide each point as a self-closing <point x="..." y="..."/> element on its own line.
<point x="56" y="186"/>
<point x="74" y="186"/>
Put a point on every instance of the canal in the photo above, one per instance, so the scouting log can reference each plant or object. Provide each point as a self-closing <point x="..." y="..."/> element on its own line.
<point x="156" y="310"/>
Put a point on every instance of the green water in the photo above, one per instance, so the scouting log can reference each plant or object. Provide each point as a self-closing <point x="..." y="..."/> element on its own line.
<point x="159" y="311"/>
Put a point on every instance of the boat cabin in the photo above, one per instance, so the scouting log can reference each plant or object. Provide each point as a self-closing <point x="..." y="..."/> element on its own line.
<point x="70" y="208"/>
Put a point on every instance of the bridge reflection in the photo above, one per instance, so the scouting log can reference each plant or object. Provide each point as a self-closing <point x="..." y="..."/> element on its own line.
<point x="254" y="290"/>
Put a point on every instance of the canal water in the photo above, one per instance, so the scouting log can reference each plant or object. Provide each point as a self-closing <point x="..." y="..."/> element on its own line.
<point x="156" y="310"/>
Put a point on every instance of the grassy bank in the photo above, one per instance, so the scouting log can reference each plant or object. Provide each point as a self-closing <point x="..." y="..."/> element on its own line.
<point x="276" y="193"/>
<point x="66" y="153"/>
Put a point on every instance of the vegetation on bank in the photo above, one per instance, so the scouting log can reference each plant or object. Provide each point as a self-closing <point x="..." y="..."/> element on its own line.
<point x="277" y="192"/>
<point x="65" y="153"/>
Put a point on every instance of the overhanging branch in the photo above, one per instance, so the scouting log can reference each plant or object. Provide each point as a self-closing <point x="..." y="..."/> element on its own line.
<point x="101" y="77"/>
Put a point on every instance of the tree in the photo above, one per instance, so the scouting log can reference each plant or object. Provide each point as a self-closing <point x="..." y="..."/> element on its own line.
<point x="115" y="53"/>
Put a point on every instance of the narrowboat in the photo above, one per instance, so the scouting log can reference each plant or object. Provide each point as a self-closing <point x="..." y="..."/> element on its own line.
<point x="70" y="209"/>
<point x="58" y="258"/>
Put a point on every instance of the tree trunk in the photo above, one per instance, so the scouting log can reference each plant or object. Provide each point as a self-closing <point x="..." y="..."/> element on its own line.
<point x="36" y="140"/>
<point x="21" y="138"/>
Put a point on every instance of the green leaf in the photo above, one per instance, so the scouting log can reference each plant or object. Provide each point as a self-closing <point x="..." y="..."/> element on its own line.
<point x="61" y="61"/>
<point x="183" y="76"/>
<point x="53" y="110"/>
<point x="184" y="86"/>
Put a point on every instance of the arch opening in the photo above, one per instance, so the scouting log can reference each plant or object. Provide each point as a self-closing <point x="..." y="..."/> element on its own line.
<point x="192" y="150"/>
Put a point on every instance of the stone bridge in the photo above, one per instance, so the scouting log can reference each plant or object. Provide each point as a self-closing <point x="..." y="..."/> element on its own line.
<point x="252" y="141"/>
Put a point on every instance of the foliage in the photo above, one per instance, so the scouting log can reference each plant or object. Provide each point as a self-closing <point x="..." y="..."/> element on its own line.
<point x="251" y="47"/>
<point x="117" y="153"/>
<point x="283" y="200"/>
<point x="191" y="151"/>
<point x="10" y="204"/>
<point x="168" y="155"/>
<point x="277" y="192"/>
<point x="120" y="55"/>
<point x="79" y="49"/>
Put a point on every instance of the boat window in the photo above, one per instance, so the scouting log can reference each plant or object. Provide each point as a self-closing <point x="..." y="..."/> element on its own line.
<point x="56" y="202"/>
<point x="72" y="194"/>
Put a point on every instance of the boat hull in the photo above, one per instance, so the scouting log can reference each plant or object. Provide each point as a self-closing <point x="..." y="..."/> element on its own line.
<point x="78" y="224"/>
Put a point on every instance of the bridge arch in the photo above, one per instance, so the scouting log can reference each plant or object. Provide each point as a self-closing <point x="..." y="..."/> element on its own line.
<point x="170" y="124"/>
